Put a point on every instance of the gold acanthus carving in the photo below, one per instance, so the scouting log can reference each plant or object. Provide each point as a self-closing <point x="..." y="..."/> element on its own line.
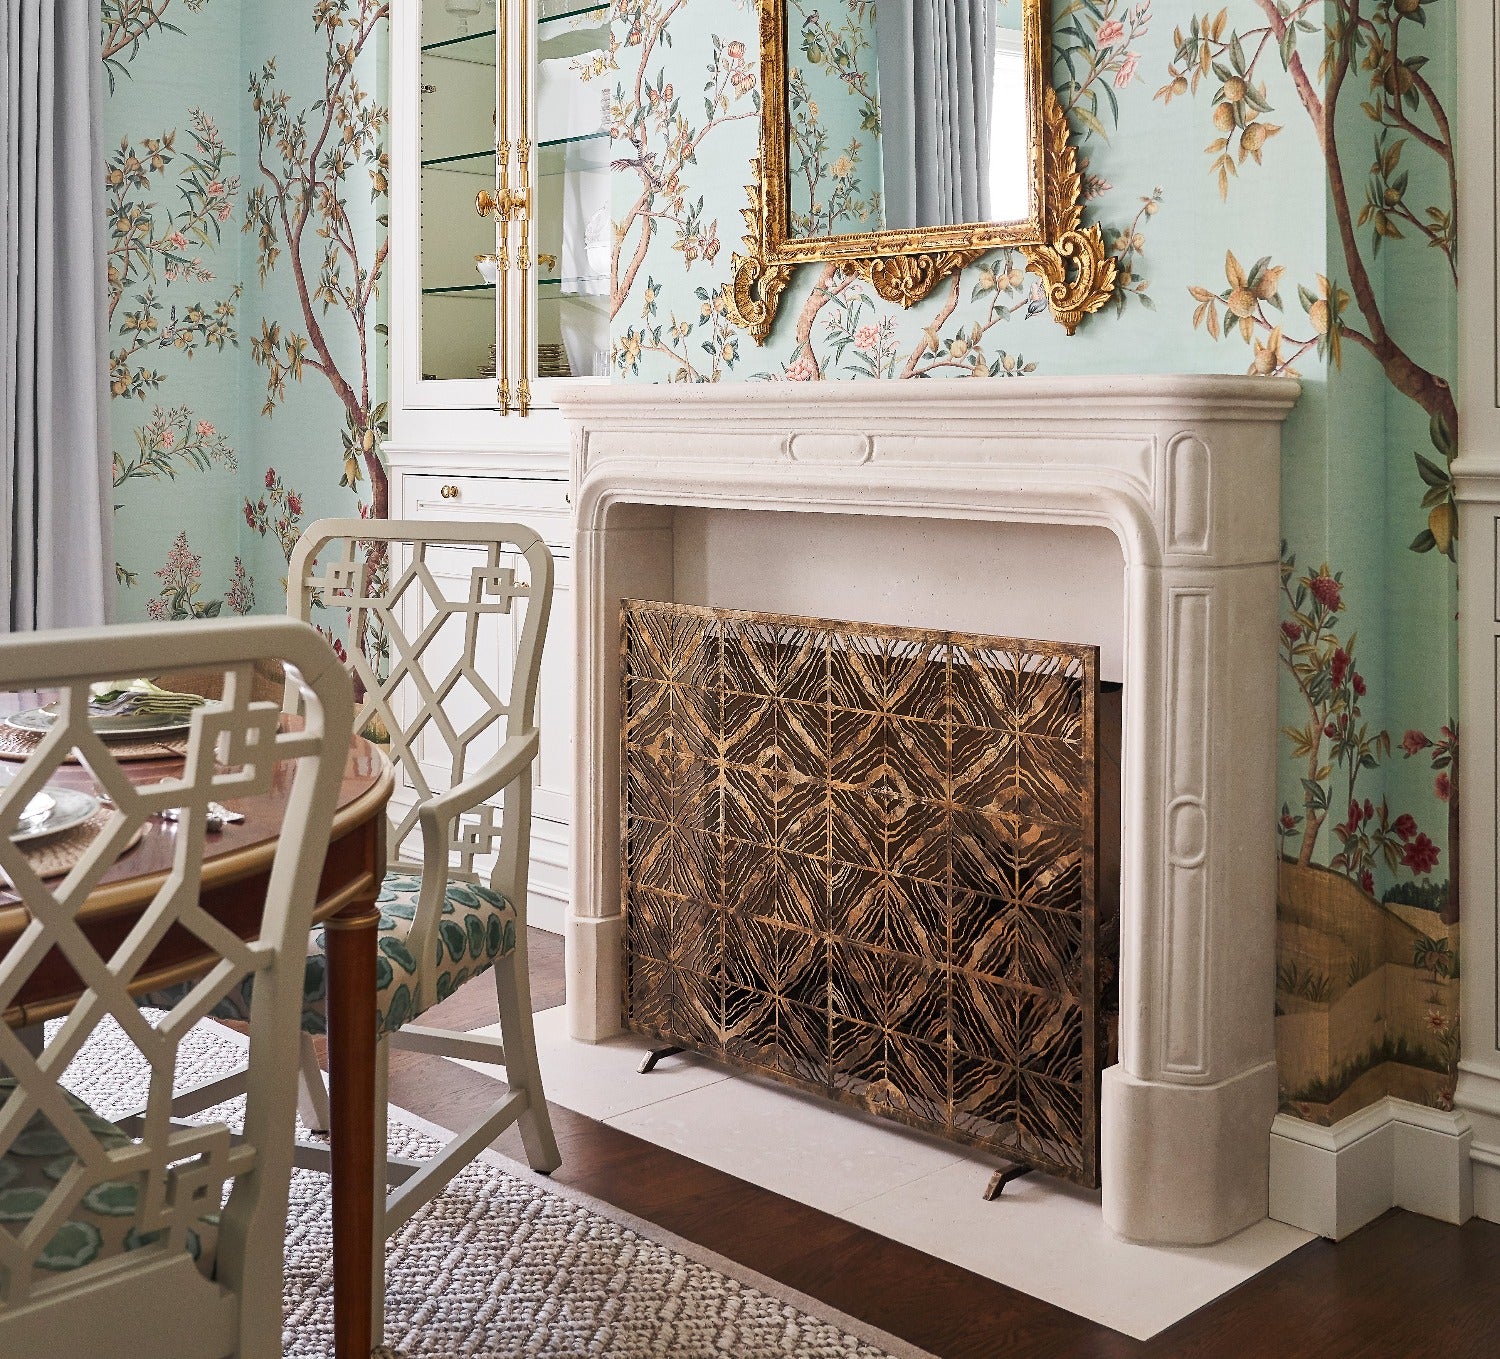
<point x="1078" y="271"/>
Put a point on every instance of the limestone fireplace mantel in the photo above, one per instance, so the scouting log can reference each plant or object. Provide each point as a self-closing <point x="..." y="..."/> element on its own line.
<point x="1184" y="472"/>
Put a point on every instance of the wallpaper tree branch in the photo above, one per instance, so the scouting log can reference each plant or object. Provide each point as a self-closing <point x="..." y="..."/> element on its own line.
<point x="247" y="194"/>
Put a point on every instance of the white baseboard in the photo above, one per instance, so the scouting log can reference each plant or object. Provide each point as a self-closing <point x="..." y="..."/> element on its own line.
<point x="1393" y="1154"/>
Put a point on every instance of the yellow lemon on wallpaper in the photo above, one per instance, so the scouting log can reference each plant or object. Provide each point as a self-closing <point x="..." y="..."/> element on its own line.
<point x="1440" y="521"/>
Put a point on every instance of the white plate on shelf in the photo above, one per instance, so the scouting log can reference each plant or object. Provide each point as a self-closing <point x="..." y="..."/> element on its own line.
<point x="61" y="809"/>
<point x="38" y="721"/>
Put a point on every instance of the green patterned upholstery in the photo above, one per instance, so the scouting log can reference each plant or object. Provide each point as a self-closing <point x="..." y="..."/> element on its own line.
<point x="103" y="1223"/>
<point x="478" y="927"/>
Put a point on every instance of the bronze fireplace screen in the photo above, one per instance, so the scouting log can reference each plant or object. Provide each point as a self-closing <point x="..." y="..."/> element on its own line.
<point x="861" y="860"/>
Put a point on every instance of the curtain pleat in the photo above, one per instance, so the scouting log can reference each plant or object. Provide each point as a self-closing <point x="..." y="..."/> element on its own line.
<point x="55" y="492"/>
<point x="936" y="61"/>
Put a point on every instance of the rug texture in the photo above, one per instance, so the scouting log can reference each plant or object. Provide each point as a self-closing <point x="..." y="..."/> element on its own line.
<point x="505" y="1263"/>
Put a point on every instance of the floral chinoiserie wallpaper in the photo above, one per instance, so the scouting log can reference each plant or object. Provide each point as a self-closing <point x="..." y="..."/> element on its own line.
<point x="245" y="178"/>
<point x="1277" y="180"/>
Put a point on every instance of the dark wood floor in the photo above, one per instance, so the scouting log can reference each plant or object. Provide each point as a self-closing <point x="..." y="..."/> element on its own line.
<point x="1404" y="1287"/>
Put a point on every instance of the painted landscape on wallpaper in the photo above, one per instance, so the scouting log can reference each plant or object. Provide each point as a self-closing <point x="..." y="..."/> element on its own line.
<point x="1277" y="182"/>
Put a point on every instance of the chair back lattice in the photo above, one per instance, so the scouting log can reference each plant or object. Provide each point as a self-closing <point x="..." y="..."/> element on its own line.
<point x="416" y="603"/>
<point x="162" y="1183"/>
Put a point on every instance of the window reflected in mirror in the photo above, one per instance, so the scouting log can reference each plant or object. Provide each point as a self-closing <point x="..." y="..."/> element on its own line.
<point x="905" y="114"/>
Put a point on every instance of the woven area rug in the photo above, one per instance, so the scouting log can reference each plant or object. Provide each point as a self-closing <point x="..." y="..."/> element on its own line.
<point x="505" y="1263"/>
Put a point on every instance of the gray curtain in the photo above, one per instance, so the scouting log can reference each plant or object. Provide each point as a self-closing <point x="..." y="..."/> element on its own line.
<point x="937" y="72"/>
<point x="56" y="561"/>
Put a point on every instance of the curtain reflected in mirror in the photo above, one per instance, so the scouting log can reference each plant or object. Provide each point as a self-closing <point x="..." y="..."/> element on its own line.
<point x="905" y="114"/>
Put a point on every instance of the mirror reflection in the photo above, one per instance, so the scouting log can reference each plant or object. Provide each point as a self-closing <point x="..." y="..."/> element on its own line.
<point x="904" y="114"/>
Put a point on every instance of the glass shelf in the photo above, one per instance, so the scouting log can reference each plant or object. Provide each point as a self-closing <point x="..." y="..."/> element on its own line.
<point x="601" y="10"/>
<point x="478" y="48"/>
<point x="476" y="289"/>
<point x="465" y="163"/>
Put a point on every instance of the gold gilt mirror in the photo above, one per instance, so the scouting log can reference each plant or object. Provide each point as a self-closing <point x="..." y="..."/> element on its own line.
<point x="903" y="139"/>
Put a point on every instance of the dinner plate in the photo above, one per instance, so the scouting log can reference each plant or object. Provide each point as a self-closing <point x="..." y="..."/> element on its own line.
<point x="39" y="720"/>
<point x="69" y="808"/>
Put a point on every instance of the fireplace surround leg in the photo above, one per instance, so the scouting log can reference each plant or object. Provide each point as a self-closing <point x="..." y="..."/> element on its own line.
<point x="1186" y="1165"/>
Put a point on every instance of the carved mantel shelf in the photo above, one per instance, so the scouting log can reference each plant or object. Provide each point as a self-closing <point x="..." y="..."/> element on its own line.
<point x="1184" y="471"/>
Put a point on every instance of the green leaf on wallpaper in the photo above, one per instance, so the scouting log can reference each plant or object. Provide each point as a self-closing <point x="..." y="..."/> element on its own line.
<point x="1442" y="437"/>
<point x="1424" y="541"/>
<point x="1288" y="46"/>
<point x="1431" y="473"/>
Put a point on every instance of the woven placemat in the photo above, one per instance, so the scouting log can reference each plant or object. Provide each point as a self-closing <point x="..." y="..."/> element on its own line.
<point x="18" y="745"/>
<point x="56" y="855"/>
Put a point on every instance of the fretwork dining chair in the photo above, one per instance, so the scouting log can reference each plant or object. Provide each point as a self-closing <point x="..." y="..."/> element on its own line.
<point x="113" y="1241"/>
<point x="424" y="595"/>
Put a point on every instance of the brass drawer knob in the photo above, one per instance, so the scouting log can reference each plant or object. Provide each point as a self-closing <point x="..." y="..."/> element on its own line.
<point x="449" y="492"/>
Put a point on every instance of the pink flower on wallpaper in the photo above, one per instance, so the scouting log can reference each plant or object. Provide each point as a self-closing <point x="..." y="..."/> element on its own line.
<point x="205" y="430"/>
<point x="178" y="239"/>
<point x="1421" y="855"/>
<point x="1327" y="591"/>
<point x="1110" y="34"/>
<point x="1405" y="826"/>
<point x="183" y="565"/>
<point x="1126" y="73"/>
<point x="867" y="338"/>
<point x="241" y="593"/>
<point x="801" y="369"/>
<point x="1288" y="821"/>
<point x="1367" y="882"/>
<point x="215" y="188"/>
<point x="1414" y="741"/>
<point x="1359" y="684"/>
<point x="736" y="50"/>
<point x="1292" y="631"/>
<point x="224" y="211"/>
<point x="1442" y="786"/>
<point x="293" y="504"/>
<point x="156" y="609"/>
<point x="167" y="438"/>
<point x="270" y="477"/>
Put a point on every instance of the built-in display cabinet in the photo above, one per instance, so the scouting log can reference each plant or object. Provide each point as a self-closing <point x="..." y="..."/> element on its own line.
<point x="499" y="302"/>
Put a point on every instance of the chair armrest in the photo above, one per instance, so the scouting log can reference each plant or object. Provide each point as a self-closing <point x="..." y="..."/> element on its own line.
<point x="499" y="771"/>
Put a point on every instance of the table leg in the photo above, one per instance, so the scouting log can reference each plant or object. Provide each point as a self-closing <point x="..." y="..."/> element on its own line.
<point x="350" y="950"/>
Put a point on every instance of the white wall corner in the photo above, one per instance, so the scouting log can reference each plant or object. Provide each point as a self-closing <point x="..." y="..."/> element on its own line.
<point x="1392" y="1154"/>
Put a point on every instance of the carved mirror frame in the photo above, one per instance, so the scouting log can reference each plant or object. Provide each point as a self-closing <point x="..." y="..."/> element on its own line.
<point x="904" y="266"/>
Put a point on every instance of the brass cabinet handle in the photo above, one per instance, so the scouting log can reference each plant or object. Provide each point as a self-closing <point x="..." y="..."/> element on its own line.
<point x="449" y="492"/>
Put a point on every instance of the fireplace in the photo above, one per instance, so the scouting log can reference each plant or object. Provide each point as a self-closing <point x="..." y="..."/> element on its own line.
<point x="1180" y="476"/>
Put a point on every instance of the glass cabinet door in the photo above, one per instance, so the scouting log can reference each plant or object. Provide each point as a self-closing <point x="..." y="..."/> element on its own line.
<point x="570" y="183"/>
<point x="459" y="311"/>
<point x="514" y="110"/>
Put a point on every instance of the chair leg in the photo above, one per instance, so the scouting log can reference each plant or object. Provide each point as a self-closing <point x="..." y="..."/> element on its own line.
<point x="377" y="1263"/>
<point x="513" y="995"/>
<point x="312" y="1089"/>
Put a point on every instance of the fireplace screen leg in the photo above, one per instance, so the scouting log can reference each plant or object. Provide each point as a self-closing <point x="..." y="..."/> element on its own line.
<point x="1001" y="1178"/>
<point x="649" y="1061"/>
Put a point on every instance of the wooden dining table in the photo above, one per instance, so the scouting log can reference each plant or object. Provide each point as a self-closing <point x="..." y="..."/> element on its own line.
<point x="236" y="870"/>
